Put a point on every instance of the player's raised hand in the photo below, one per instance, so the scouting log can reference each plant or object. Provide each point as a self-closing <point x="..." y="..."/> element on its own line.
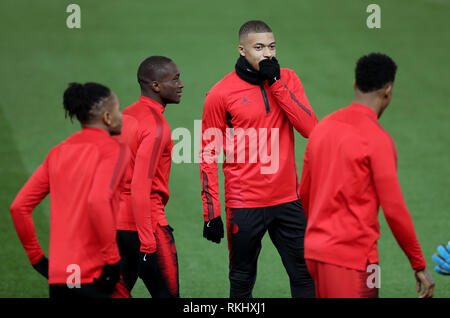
<point x="270" y="69"/>
<point x="424" y="277"/>
<point x="213" y="230"/>
<point x="442" y="260"/>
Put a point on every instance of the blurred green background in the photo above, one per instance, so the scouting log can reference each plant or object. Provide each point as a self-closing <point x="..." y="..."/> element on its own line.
<point x="320" y="40"/>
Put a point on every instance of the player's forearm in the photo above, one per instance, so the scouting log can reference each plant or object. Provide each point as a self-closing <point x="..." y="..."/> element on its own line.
<point x="24" y="225"/>
<point x="142" y="210"/>
<point x="210" y="192"/>
<point x="146" y="163"/>
<point x="400" y="221"/>
<point x="299" y="113"/>
<point x="209" y="179"/>
<point x="405" y="235"/>
<point x="32" y="193"/>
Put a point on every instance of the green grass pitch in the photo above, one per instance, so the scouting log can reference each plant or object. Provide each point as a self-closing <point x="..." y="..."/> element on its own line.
<point x="320" y="40"/>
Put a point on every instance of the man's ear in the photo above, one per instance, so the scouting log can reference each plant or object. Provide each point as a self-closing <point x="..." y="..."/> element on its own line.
<point x="241" y="50"/>
<point x="155" y="87"/>
<point x="354" y="85"/>
<point x="388" y="90"/>
<point x="106" y="117"/>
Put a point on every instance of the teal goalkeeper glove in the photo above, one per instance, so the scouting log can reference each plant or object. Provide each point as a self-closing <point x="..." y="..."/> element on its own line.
<point x="442" y="260"/>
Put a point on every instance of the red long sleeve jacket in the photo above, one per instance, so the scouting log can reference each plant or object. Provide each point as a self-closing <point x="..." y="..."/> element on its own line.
<point x="253" y="125"/>
<point x="146" y="189"/>
<point x="350" y="168"/>
<point x="82" y="175"/>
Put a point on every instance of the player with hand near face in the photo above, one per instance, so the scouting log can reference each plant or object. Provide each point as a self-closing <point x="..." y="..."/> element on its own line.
<point x="267" y="103"/>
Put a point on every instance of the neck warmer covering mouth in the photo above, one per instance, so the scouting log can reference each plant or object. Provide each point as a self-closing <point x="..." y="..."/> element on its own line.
<point x="246" y="72"/>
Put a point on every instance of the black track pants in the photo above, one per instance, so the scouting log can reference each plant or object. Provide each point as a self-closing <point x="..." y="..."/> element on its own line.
<point x="246" y="227"/>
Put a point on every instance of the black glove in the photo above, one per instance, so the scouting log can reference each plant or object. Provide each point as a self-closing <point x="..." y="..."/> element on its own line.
<point x="213" y="230"/>
<point x="270" y="69"/>
<point x="108" y="279"/>
<point x="42" y="266"/>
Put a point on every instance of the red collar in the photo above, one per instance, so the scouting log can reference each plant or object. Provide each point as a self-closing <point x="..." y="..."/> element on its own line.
<point x="365" y="109"/>
<point x="96" y="130"/>
<point x="152" y="103"/>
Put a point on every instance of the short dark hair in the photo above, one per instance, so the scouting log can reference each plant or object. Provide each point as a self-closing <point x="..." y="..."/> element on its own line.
<point x="256" y="26"/>
<point x="374" y="71"/>
<point x="84" y="101"/>
<point x="151" y="69"/>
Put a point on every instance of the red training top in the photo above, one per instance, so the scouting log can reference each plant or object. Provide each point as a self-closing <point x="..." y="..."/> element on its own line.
<point x="256" y="123"/>
<point x="146" y="189"/>
<point x="350" y="168"/>
<point x="82" y="175"/>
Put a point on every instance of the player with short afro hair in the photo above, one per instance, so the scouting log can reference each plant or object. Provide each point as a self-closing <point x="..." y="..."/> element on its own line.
<point x="349" y="171"/>
<point x="374" y="71"/>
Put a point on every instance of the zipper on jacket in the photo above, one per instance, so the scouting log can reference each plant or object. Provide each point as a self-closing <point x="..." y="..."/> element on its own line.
<point x="266" y="100"/>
